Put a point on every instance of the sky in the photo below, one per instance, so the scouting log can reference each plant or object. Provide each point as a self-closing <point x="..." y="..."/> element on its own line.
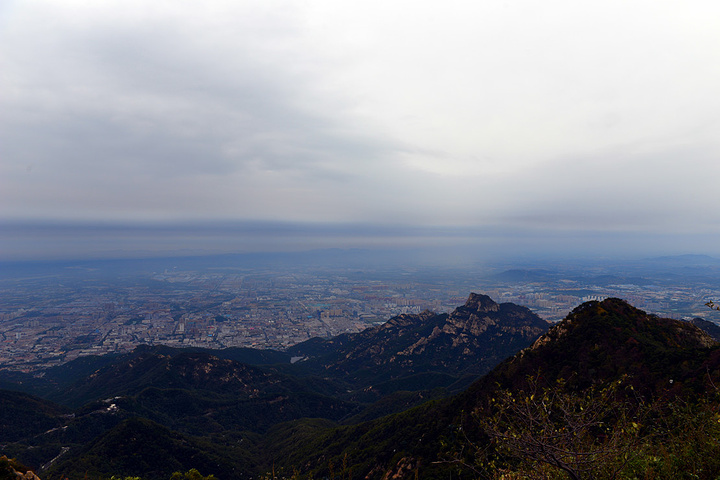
<point x="516" y="123"/>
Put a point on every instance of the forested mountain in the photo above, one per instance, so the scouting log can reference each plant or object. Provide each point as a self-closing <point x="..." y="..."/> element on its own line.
<point x="608" y="380"/>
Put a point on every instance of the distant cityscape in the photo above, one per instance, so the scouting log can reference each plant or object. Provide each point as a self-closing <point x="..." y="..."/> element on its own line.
<point x="47" y="320"/>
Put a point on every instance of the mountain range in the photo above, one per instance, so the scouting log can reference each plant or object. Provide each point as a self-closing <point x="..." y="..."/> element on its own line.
<point x="409" y="397"/>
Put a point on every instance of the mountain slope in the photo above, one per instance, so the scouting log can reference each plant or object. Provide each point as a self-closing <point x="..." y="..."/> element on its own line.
<point x="198" y="393"/>
<point x="469" y="341"/>
<point x="710" y="328"/>
<point x="198" y="371"/>
<point x="600" y="341"/>
<point x="23" y="416"/>
<point x="139" y="447"/>
<point x="53" y="383"/>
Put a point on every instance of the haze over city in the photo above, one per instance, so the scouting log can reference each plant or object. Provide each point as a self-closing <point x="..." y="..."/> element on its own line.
<point x="134" y="129"/>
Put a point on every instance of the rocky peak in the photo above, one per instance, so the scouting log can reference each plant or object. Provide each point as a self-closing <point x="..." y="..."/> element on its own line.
<point x="481" y="316"/>
<point x="478" y="303"/>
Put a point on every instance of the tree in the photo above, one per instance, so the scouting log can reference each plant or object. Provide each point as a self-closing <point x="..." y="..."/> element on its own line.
<point x="192" y="474"/>
<point x="589" y="434"/>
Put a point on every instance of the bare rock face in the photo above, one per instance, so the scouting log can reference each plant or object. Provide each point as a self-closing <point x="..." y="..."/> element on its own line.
<point x="10" y="468"/>
<point x="481" y="316"/>
<point x="481" y="303"/>
<point x="28" y="476"/>
<point x="407" y="321"/>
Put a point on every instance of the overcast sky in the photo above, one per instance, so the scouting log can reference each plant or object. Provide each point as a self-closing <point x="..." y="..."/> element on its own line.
<point x="526" y="116"/>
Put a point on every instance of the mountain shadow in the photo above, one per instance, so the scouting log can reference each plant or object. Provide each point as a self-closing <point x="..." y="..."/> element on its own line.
<point x="141" y="448"/>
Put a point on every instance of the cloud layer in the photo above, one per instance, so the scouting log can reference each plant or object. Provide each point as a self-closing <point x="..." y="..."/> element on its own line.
<point x="551" y="115"/>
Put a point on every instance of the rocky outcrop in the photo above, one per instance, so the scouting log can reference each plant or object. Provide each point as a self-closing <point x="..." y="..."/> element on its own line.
<point x="10" y="469"/>
<point x="481" y="314"/>
<point x="470" y="340"/>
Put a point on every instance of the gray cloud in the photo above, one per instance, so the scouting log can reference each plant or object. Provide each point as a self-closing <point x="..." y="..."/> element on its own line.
<point x="143" y="122"/>
<point x="540" y="117"/>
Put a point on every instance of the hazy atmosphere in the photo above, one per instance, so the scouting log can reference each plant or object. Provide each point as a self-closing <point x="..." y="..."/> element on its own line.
<point x="174" y="126"/>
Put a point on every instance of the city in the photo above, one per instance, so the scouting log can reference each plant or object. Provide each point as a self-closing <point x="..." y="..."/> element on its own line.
<point x="47" y="320"/>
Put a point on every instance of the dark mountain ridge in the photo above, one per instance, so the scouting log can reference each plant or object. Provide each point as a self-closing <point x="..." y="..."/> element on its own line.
<point x="54" y="383"/>
<point x="600" y="341"/>
<point x="469" y="341"/>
